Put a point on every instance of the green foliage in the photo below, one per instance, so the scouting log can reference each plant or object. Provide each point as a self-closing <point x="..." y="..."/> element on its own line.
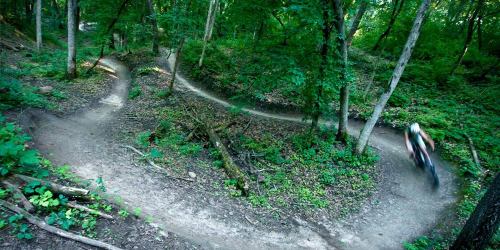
<point x="44" y="198"/>
<point x="15" y="94"/>
<point x="123" y="213"/>
<point x="14" y="156"/>
<point x="421" y="243"/>
<point x="135" y="92"/>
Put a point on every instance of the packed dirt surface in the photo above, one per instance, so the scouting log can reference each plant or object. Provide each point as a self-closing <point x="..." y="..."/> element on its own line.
<point x="405" y="207"/>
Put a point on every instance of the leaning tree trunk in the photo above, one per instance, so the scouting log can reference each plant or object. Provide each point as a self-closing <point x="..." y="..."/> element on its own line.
<point x="154" y="23"/>
<point x="395" y="12"/>
<point x="178" y="56"/>
<point x="342" y="59"/>
<point x="468" y="37"/>
<point x="209" y="26"/>
<point x="484" y="221"/>
<point x="38" y="24"/>
<point x="396" y="75"/>
<point x="71" y="69"/>
<point x="363" y="6"/>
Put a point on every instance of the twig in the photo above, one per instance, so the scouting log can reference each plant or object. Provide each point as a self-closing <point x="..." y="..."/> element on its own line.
<point x="154" y="164"/>
<point x="70" y="191"/>
<point x="251" y="222"/>
<point x="65" y="234"/>
<point x="90" y="210"/>
<point x="26" y="203"/>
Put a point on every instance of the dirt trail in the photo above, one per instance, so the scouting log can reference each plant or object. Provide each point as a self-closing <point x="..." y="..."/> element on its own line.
<point x="405" y="208"/>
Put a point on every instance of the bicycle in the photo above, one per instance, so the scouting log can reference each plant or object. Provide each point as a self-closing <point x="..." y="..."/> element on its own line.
<point x="424" y="163"/>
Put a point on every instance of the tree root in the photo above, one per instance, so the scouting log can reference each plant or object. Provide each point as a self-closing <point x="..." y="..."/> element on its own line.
<point x="65" y="234"/>
<point x="69" y="191"/>
<point x="90" y="210"/>
<point x="26" y="203"/>
<point x="154" y="164"/>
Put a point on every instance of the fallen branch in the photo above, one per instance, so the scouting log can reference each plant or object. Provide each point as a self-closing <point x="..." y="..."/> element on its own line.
<point x="90" y="210"/>
<point x="154" y="164"/>
<point x="472" y="149"/>
<point x="9" y="46"/>
<point x="232" y="170"/>
<point x="65" y="234"/>
<point x="69" y="191"/>
<point x="26" y="203"/>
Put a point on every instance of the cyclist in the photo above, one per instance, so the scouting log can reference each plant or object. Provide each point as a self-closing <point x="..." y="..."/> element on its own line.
<point x="414" y="137"/>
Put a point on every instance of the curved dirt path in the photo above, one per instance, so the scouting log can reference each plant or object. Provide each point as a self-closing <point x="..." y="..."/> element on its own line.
<point x="405" y="208"/>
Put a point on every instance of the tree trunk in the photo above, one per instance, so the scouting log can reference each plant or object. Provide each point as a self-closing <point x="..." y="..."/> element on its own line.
<point x="178" y="56"/>
<point x="484" y="221"/>
<point x="316" y="109"/>
<point x="396" y="75"/>
<point x="342" y="62"/>
<point x="395" y="12"/>
<point x="77" y="15"/>
<point x="209" y="25"/>
<point x="71" y="69"/>
<point x="28" y="10"/>
<point x="479" y="32"/>
<point x="38" y="24"/>
<point x="110" y="27"/>
<point x="468" y="37"/>
<point x="363" y="6"/>
<point x="154" y="23"/>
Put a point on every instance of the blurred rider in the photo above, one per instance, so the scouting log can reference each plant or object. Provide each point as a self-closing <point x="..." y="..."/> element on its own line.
<point x="414" y="137"/>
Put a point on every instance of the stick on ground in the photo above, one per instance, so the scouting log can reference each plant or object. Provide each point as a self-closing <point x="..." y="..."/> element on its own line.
<point x="69" y="191"/>
<point x="65" y="234"/>
<point x="90" y="210"/>
<point x="26" y="203"/>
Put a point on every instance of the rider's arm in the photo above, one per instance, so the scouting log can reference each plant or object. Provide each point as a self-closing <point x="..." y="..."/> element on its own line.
<point x="427" y="138"/>
<point x="407" y="142"/>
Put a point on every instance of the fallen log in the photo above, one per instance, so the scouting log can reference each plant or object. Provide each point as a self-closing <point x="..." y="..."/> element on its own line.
<point x="51" y="229"/>
<point x="232" y="170"/>
<point x="69" y="191"/>
<point x="17" y="192"/>
<point x="90" y="210"/>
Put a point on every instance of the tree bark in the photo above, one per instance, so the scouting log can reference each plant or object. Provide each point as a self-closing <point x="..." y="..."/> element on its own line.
<point x="212" y="11"/>
<point x="395" y="13"/>
<point x="363" y="6"/>
<point x="484" y="221"/>
<point x="38" y="24"/>
<point x="232" y="170"/>
<point x="396" y="75"/>
<point x="71" y="67"/>
<point x="178" y="56"/>
<point x="342" y="61"/>
<point x="326" y="31"/>
<point x="57" y="188"/>
<point x="468" y="37"/>
<point x="154" y="23"/>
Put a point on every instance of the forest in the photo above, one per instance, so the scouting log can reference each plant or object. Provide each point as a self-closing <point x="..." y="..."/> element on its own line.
<point x="264" y="124"/>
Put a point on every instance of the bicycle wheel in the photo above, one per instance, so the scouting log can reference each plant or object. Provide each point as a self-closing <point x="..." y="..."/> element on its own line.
<point x="433" y="173"/>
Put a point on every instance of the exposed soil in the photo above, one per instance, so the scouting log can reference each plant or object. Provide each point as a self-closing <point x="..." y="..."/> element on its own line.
<point x="404" y="208"/>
